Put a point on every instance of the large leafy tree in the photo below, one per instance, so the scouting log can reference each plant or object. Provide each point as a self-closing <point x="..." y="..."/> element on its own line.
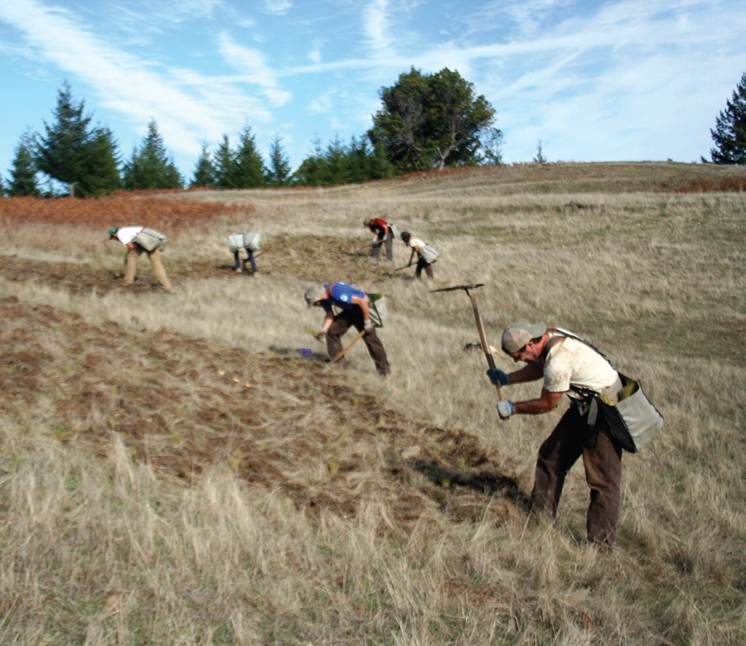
<point x="204" y="171"/>
<point x="62" y="151"/>
<point x="729" y="134"/>
<point x="150" y="165"/>
<point x="22" y="181"/>
<point x="431" y="121"/>
<point x="492" y="139"/>
<point x="278" y="173"/>
<point x="249" y="167"/>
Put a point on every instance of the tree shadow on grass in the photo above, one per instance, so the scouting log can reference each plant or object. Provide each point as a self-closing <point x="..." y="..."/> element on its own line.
<point x="484" y="482"/>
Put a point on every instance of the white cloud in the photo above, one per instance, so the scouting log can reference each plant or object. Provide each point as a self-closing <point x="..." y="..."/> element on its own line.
<point x="314" y="55"/>
<point x="277" y="7"/>
<point x="376" y="26"/>
<point x="152" y="17"/>
<point x="254" y="69"/>
<point x="324" y="102"/>
<point x="188" y="107"/>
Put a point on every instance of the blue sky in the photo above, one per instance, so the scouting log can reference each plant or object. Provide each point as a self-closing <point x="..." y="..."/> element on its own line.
<point x="593" y="80"/>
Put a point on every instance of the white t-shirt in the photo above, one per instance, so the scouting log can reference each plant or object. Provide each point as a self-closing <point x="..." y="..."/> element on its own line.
<point x="417" y="244"/>
<point x="125" y="235"/>
<point x="572" y="362"/>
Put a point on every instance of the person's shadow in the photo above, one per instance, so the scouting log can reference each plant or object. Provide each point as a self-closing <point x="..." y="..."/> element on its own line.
<point x="484" y="482"/>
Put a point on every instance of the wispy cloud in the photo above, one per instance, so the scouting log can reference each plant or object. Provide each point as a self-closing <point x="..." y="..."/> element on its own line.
<point x="144" y="19"/>
<point x="314" y="53"/>
<point x="189" y="107"/>
<point x="376" y="26"/>
<point x="255" y="68"/>
<point x="277" y="7"/>
<point x="324" y="102"/>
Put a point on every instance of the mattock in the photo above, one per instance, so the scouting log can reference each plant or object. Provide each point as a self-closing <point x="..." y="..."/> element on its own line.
<point x="478" y="319"/>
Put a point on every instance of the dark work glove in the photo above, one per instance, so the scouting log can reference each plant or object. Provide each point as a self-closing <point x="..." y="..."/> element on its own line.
<point x="497" y="377"/>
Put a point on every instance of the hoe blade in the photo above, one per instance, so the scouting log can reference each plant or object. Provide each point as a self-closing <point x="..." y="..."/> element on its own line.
<point x="455" y="287"/>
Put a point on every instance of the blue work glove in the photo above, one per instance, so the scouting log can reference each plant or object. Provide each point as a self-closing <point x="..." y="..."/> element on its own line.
<point x="497" y="377"/>
<point x="505" y="408"/>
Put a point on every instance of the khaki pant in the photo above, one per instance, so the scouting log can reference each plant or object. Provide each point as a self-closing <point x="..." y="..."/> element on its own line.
<point x="602" y="459"/>
<point x="387" y="243"/>
<point x="130" y="266"/>
<point x="341" y="324"/>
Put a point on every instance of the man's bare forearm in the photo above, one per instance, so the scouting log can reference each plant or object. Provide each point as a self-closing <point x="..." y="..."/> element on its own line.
<point x="529" y="372"/>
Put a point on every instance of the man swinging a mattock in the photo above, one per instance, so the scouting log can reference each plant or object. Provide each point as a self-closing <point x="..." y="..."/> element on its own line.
<point x="568" y="366"/>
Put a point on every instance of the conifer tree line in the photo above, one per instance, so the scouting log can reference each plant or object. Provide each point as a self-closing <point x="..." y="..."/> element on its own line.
<point x="426" y="121"/>
<point x="729" y="133"/>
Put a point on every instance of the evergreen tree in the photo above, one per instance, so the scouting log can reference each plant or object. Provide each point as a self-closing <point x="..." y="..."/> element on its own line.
<point x="379" y="165"/>
<point x="279" y="166"/>
<point x="62" y="151"/>
<point x="22" y="181"/>
<point x="225" y="165"/>
<point x="204" y="171"/>
<point x="335" y="166"/>
<point x="150" y="166"/>
<point x="729" y="134"/>
<point x="101" y="174"/>
<point x="2" y="187"/>
<point x="311" y="170"/>
<point x="249" y="167"/>
<point x="359" y="159"/>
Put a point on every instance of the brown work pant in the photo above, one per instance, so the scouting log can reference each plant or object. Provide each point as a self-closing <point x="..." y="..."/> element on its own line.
<point x="130" y="266"/>
<point x="602" y="460"/>
<point x="341" y="324"/>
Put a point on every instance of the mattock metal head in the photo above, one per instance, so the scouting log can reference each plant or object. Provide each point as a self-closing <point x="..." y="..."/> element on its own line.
<point x="466" y="288"/>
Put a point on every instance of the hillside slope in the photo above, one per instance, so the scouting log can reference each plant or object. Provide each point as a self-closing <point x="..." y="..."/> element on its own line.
<point x="176" y="471"/>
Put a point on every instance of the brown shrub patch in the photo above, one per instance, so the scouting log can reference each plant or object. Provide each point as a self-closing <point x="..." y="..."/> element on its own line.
<point x="147" y="209"/>
<point x="704" y="185"/>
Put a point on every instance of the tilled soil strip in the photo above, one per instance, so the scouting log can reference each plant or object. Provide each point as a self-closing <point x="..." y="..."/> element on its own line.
<point x="308" y="258"/>
<point x="285" y="423"/>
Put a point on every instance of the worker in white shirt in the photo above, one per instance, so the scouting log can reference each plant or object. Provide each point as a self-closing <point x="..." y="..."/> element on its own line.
<point x="140" y="240"/>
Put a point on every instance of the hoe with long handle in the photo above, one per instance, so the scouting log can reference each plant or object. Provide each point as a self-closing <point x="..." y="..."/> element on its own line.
<point x="478" y="319"/>
<point x="344" y="351"/>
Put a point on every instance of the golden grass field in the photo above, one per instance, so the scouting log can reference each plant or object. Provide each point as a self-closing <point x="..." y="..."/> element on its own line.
<point x="173" y="471"/>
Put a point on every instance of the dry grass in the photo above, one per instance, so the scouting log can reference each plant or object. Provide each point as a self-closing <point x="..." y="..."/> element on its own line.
<point x="147" y="498"/>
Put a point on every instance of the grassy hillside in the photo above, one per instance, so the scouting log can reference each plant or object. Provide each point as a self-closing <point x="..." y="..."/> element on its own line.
<point x="175" y="471"/>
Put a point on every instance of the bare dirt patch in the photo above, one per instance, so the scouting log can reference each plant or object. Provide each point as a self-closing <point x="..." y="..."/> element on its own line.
<point x="288" y="424"/>
<point x="311" y="258"/>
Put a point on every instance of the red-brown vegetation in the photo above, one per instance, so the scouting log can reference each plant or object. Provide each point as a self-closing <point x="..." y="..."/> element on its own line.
<point x="147" y="209"/>
<point x="705" y="185"/>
